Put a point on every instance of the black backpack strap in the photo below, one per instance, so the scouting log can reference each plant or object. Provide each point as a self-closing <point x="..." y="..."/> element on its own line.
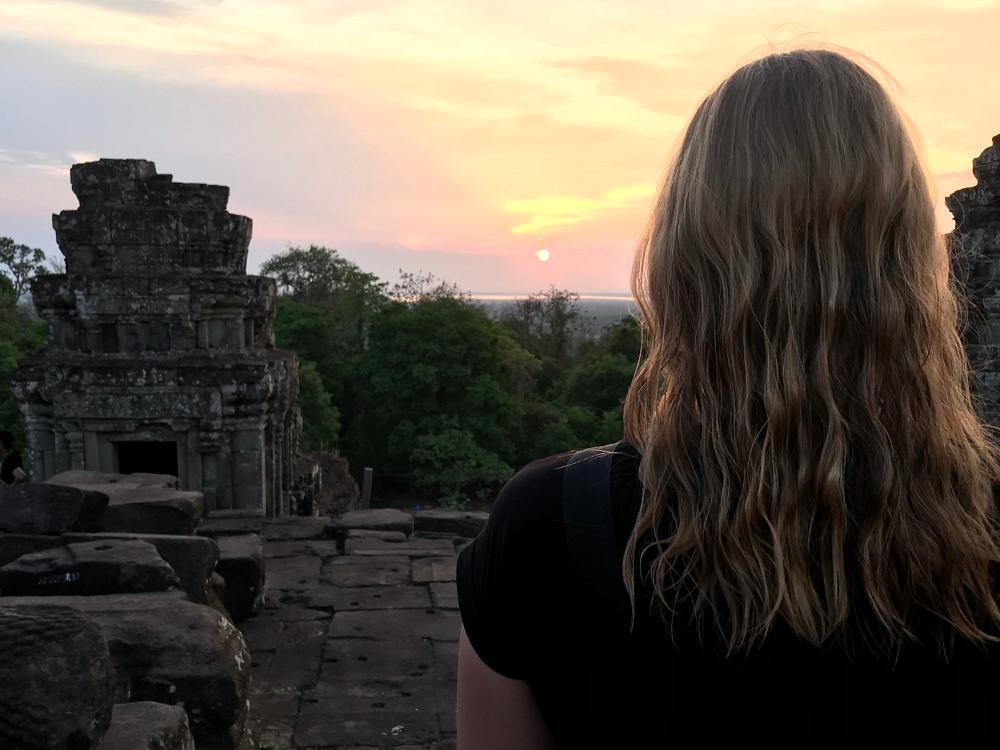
<point x="587" y="519"/>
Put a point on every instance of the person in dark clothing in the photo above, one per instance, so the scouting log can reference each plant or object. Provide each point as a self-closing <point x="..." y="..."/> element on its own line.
<point x="11" y="466"/>
<point x="800" y="538"/>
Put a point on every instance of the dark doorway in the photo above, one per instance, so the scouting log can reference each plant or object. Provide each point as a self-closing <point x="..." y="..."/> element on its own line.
<point x="149" y="456"/>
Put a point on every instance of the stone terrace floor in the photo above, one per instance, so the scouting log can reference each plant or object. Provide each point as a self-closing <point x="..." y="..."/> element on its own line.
<point x="359" y="650"/>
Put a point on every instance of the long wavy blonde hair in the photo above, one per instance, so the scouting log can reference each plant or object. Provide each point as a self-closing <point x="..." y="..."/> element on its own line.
<point x="810" y="449"/>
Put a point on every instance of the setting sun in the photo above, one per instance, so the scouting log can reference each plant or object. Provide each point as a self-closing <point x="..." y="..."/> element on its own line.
<point x="542" y="255"/>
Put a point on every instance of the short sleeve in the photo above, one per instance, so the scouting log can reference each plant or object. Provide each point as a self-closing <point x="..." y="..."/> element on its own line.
<point x="511" y="579"/>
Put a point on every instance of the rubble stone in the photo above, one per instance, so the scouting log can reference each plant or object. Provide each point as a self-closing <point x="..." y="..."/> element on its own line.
<point x="169" y="650"/>
<point x="145" y="725"/>
<point x="57" y="682"/>
<point x="241" y="564"/>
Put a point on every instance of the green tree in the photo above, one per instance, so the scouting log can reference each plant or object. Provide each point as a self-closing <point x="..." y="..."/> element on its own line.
<point x="320" y="431"/>
<point x="324" y="312"/>
<point x="452" y="465"/>
<point x="20" y="335"/>
<point x="549" y="325"/>
<point x="18" y="263"/>
<point x="438" y="368"/>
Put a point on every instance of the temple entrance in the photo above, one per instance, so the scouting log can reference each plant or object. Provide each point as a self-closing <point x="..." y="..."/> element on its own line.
<point x="147" y="456"/>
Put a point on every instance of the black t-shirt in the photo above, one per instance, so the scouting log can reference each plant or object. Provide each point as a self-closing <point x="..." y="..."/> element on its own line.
<point x="598" y="685"/>
<point x="10" y="462"/>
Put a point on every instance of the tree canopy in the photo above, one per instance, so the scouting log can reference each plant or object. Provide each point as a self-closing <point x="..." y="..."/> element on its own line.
<point x="427" y="385"/>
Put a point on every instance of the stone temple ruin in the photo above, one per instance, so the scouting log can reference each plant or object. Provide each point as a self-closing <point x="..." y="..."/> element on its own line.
<point x="161" y="353"/>
<point x="975" y="260"/>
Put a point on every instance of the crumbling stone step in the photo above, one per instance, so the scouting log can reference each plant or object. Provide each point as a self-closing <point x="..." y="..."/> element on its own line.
<point x="380" y="519"/>
<point x="241" y="565"/>
<point x="82" y="477"/>
<point x="145" y="725"/>
<point x="105" y="566"/>
<point x="232" y="522"/>
<point x="49" y="509"/>
<point x="295" y="527"/>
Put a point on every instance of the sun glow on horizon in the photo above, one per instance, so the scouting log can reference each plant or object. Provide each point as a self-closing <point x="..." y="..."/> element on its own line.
<point x="542" y="255"/>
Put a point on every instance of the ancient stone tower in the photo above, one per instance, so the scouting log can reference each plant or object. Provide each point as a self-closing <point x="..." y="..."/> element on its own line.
<point x="975" y="257"/>
<point x="161" y="351"/>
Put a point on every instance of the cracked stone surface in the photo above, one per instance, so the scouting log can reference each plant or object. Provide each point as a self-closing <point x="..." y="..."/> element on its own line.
<point x="357" y="649"/>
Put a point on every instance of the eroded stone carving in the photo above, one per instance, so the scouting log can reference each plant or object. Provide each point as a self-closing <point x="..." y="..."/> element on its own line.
<point x="161" y="353"/>
<point x="975" y="246"/>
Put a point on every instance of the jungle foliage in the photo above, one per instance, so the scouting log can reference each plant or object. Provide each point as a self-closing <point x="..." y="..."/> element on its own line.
<point x="422" y="383"/>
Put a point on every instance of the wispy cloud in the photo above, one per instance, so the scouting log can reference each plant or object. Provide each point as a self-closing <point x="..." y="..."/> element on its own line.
<point x="549" y="211"/>
<point x="38" y="161"/>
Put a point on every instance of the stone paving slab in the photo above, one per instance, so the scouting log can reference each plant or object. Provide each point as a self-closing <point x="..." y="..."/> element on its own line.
<point x="429" y="623"/>
<point x="342" y="599"/>
<point x="379" y="519"/>
<point x="428" y="569"/>
<point x="411" y="547"/>
<point x="378" y="570"/>
<point x="322" y="548"/>
<point x="356" y="650"/>
<point x="296" y="573"/>
<point x="444" y="595"/>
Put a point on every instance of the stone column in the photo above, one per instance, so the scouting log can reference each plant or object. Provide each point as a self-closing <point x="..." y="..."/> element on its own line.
<point x="41" y="446"/>
<point x="208" y="446"/>
<point x="76" y="448"/>
<point x="247" y="459"/>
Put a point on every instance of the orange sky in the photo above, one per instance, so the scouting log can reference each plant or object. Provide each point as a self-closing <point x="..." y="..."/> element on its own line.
<point x="451" y="137"/>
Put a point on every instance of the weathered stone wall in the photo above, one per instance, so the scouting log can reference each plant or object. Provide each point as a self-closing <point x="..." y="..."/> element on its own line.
<point x="975" y="253"/>
<point x="161" y="347"/>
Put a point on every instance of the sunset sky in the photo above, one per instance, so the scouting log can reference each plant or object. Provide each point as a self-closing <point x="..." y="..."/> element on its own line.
<point x="457" y="138"/>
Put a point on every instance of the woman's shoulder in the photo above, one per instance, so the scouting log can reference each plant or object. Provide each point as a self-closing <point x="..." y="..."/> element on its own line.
<point x="535" y="493"/>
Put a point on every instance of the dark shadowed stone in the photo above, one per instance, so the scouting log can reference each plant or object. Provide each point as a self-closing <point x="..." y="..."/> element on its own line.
<point x="461" y="522"/>
<point x="445" y="595"/>
<point x="82" y="477"/>
<point x="173" y="651"/>
<point x="145" y="725"/>
<point x="192" y="558"/>
<point x="231" y="523"/>
<point x="13" y="546"/>
<point x="151" y="510"/>
<point x="241" y="564"/>
<point x="57" y="682"/>
<point x="382" y="519"/>
<point x="389" y="536"/>
<point x="295" y="528"/>
<point x="49" y="509"/>
<point x="107" y="566"/>
<point x="378" y="570"/>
